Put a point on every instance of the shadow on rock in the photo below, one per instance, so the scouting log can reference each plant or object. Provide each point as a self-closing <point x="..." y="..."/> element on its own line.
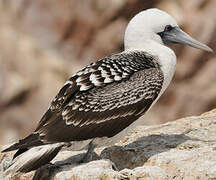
<point x="138" y="152"/>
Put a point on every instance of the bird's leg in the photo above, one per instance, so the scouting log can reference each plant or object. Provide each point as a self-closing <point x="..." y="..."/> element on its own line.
<point x="88" y="156"/>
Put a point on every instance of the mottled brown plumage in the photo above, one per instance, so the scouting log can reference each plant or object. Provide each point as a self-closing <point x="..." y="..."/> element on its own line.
<point x="76" y="114"/>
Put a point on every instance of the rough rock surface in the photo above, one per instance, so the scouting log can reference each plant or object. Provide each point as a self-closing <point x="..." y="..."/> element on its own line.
<point x="183" y="149"/>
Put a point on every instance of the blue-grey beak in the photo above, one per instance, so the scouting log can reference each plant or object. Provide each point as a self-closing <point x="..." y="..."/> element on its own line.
<point x="176" y="36"/>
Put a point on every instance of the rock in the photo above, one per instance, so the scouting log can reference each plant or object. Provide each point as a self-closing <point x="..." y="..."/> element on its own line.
<point x="183" y="149"/>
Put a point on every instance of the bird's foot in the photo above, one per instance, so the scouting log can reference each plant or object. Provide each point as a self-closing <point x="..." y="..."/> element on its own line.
<point x="88" y="156"/>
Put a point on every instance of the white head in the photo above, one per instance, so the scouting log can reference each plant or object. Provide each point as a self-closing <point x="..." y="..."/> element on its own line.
<point x="156" y="26"/>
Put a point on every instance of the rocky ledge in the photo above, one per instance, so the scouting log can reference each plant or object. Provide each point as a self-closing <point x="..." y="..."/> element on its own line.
<point x="183" y="149"/>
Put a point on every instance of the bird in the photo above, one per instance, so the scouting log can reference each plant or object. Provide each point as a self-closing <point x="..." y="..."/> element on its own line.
<point x="109" y="95"/>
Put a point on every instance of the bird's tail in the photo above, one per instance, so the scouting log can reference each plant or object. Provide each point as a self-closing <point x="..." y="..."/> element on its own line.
<point x="34" y="158"/>
<point x="32" y="153"/>
<point x="28" y="142"/>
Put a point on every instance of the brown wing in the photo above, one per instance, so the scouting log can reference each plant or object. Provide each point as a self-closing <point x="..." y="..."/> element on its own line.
<point x="104" y="111"/>
<point x="100" y="101"/>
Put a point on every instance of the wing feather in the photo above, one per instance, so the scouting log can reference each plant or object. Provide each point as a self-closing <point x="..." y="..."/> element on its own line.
<point x="102" y="99"/>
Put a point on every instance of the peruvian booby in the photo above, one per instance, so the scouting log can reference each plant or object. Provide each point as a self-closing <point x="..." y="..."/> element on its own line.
<point x="108" y="95"/>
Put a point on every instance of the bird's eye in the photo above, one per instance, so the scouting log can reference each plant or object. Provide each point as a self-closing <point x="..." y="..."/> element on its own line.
<point x="168" y="28"/>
